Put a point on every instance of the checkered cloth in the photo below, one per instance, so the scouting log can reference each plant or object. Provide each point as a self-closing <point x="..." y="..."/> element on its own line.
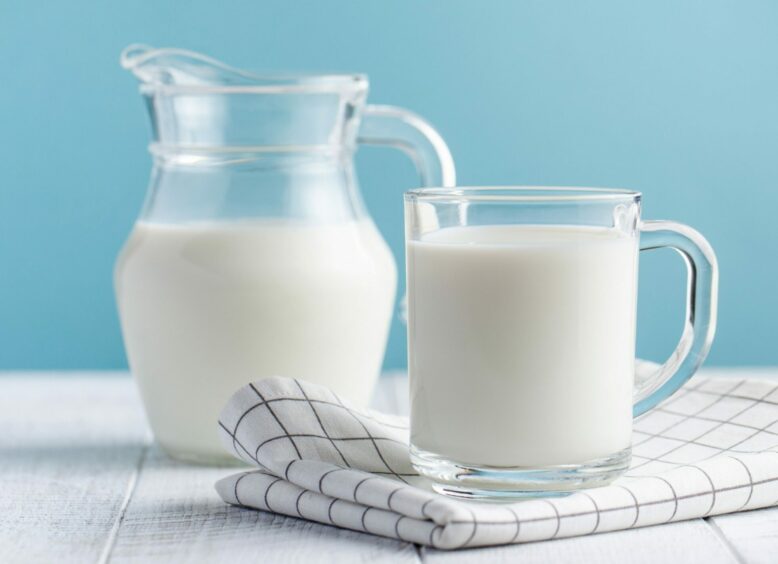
<point x="710" y="449"/>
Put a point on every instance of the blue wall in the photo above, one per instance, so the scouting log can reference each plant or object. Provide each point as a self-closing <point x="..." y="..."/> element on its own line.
<point x="676" y="99"/>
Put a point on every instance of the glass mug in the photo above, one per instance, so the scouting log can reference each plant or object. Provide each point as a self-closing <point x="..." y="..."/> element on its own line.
<point x="521" y="334"/>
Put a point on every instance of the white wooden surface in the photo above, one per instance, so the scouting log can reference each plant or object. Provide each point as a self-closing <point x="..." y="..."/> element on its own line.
<point x="81" y="481"/>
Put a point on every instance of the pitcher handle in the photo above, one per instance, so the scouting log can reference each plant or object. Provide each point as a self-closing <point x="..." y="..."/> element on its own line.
<point x="653" y="386"/>
<point x="404" y="130"/>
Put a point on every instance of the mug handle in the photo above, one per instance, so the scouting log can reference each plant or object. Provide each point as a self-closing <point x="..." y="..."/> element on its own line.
<point x="413" y="135"/>
<point x="653" y="386"/>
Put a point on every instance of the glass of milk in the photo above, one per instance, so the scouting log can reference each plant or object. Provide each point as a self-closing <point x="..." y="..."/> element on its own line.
<point x="521" y="334"/>
<point x="254" y="255"/>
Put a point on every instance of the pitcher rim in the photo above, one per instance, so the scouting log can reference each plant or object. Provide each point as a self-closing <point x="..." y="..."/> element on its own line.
<point x="296" y="83"/>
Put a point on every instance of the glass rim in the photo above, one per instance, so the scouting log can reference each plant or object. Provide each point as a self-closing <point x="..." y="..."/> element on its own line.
<point x="543" y="194"/>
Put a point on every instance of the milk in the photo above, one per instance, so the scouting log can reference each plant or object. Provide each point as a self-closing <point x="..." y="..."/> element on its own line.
<point x="521" y="343"/>
<point x="209" y="307"/>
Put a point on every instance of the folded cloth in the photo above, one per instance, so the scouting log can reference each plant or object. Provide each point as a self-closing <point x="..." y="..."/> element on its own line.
<point x="710" y="449"/>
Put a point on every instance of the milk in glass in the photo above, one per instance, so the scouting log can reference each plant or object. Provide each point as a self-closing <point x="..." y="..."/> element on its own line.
<point x="521" y="344"/>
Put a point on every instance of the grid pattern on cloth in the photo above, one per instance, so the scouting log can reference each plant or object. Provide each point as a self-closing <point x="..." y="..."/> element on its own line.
<point x="710" y="449"/>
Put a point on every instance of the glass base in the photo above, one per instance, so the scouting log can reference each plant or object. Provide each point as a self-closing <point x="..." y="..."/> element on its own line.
<point x="490" y="483"/>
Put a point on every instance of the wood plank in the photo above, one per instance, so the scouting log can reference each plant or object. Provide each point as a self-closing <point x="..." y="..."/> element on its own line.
<point x="176" y="516"/>
<point x="752" y="534"/>
<point x="689" y="542"/>
<point x="69" y="446"/>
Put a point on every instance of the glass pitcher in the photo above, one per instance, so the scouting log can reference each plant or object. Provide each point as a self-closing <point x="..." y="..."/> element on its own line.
<point x="253" y="254"/>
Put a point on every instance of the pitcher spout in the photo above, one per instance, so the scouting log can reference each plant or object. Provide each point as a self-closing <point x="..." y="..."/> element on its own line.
<point x="180" y="67"/>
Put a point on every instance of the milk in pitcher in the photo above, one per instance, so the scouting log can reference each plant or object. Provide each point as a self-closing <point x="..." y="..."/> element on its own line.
<point x="208" y="306"/>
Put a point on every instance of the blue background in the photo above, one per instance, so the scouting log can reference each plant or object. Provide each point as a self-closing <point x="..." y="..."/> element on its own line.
<point x="676" y="99"/>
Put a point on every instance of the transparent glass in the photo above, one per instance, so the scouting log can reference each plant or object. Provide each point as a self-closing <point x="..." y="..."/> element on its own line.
<point x="521" y="334"/>
<point x="254" y="254"/>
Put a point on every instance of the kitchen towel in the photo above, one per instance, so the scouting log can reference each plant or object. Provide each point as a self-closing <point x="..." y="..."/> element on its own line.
<point x="712" y="448"/>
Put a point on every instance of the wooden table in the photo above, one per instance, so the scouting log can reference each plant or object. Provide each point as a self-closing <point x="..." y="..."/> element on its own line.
<point x="81" y="481"/>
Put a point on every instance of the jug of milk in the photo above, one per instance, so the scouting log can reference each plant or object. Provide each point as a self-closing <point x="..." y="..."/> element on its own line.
<point x="253" y="254"/>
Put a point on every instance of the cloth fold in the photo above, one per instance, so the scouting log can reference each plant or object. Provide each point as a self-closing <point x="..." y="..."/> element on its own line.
<point x="710" y="449"/>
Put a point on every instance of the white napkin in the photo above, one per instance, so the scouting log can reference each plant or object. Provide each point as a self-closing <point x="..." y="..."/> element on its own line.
<point x="710" y="449"/>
